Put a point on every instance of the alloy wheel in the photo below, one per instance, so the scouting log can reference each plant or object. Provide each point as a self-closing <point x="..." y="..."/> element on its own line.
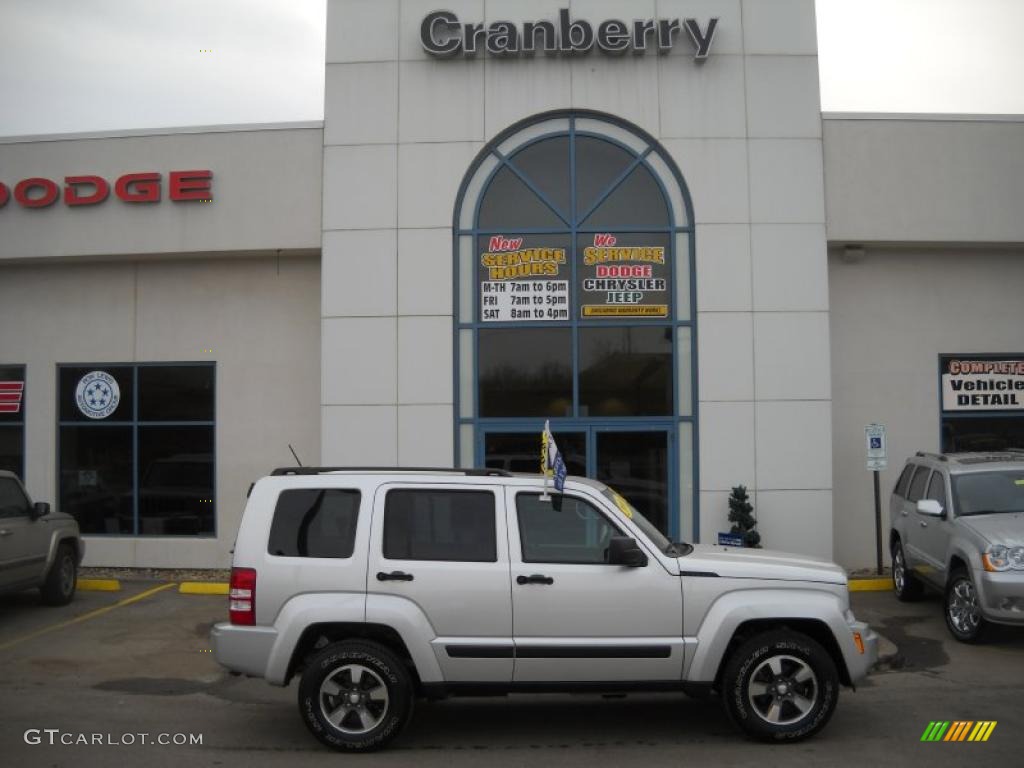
<point x="783" y="689"/>
<point x="354" y="699"/>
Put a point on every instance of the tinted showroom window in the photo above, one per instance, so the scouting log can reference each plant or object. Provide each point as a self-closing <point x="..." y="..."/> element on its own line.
<point x="136" y="450"/>
<point x="440" y="525"/>
<point x="12" y="419"/>
<point x="314" y="522"/>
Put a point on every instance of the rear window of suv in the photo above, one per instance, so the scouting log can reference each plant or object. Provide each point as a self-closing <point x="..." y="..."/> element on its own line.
<point x="314" y="522"/>
<point x="426" y="524"/>
<point x="904" y="481"/>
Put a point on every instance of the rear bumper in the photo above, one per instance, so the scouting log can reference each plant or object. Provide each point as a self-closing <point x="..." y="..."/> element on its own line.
<point x="245" y="650"/>
<point x="1002" y="597"/>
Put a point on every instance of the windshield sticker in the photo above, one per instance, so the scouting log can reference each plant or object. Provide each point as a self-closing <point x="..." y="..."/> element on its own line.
<point x="623" y="505"/>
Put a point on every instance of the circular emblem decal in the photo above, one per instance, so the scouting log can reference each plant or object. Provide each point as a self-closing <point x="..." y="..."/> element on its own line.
<point x="97" y="394"/>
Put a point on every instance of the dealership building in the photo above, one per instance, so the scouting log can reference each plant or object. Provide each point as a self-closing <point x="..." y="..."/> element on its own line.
<point x="630" y="220"/>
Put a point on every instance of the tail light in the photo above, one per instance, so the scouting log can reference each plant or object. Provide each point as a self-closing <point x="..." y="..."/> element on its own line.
<point x="242" y="598"/>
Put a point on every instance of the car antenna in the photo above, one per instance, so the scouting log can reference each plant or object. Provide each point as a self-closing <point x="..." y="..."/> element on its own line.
<point x="294" y="454"/>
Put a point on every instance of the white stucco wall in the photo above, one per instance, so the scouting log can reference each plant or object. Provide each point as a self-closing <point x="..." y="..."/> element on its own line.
<point x="894" y="311"/>
<point x="266" y="193"/>
<point x="258" y="317"/>
<point x="924" y="178"/>
<point x="401" y="129"/>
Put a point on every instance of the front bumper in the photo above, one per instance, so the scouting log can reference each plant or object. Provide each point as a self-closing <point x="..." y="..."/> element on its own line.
<point x="859" y="664"/>
<point x="241" y="649"/>
<point x="1001" y="596"/>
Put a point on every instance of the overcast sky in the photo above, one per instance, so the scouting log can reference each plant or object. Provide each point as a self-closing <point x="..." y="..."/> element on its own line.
<point x="94" y="65"/>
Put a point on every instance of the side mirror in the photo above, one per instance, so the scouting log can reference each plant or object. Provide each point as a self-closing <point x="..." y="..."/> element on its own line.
<point x="623" y="550"/>
<point x="39" y="509"/>
<point x="931" y="508"/>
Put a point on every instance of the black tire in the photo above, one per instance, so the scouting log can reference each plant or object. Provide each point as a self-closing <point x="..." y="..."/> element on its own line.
<point x="799" y="682"/>
<point x="904" y="583"/>
<point x="59" y="587"/>
<point x="961" y="609"/>
<point x="364" y="670"/>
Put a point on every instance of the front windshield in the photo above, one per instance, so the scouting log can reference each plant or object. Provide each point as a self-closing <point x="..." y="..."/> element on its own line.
<point x="657" y="537"/>
<point x="987" y="493"/>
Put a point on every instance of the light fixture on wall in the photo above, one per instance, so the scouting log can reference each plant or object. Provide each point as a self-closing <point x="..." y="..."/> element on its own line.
<point x="852" y="254"/>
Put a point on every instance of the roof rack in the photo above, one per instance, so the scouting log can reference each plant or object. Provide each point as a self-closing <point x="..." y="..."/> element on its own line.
<point x="451" y="470"/>
<point x="936" y="456"/>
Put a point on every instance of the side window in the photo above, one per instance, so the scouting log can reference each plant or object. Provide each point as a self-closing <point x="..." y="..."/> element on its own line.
<point x="904" y="481"/>
<point x="13" y="502"/>
<point x="916" y="492"/>
<point x="576" y="533"/>
<point x="937" y="489"/>
<point x="425" y="524"/>
<point x="314" y="522"/>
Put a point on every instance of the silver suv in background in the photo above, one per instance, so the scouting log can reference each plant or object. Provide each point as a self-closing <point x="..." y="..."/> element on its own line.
<point x="958" y="526"/>
<point x="376" y="586"/>
<point x="38" y="548"/>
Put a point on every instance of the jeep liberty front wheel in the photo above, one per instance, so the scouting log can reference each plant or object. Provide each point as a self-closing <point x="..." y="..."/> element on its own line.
<point x="355" y="696"/>
<point x="780" y="686"/>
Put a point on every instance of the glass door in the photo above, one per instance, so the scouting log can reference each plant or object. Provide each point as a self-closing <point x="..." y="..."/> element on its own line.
<point x="637" y="465"/>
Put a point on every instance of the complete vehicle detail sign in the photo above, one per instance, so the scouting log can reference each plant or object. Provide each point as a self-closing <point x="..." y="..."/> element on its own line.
<point x="444" y="35"/>
<point x="982" y="384"/>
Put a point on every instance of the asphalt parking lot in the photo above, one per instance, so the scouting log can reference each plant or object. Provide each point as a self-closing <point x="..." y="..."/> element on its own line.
<point x="104" y="665"/>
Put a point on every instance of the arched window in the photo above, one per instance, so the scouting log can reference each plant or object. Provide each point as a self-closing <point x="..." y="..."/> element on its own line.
<point x="574" y="302"/>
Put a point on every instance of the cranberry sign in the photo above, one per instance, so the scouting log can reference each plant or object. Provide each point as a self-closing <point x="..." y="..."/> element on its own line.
<point x="147" y="187"/>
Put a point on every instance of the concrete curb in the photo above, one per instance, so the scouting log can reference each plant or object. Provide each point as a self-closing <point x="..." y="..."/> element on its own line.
<point x="203" y="588"/>
<point x="870" y="585"/>
<point x="98" y="585"/>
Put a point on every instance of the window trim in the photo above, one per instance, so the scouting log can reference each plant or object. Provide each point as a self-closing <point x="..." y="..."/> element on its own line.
<point x="575" y="497"/>
<point x="27" y="501"/>
<point x="468" y="425"/>
<point x="134" y="424"/>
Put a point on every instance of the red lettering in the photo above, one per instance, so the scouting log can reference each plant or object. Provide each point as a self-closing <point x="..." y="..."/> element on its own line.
<point x="190" y="185"/>
<point x="49" y="196"/>
<point x="138" y="187"/>
<point x="4" y="195"/>
<point x="101" y="190"/>
<point x="501" y="243"/>
<point x="603" y="239"/>
<point x="624" y="270"/>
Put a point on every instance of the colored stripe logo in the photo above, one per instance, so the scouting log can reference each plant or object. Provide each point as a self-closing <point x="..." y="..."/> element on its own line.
<point x="958" y="730"/>
<point x="10" y="396"/>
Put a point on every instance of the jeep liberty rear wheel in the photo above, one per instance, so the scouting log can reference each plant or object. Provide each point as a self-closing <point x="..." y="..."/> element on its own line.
<point x="780" y="686"/>
<point x="355" y="696"/>
<point x="59" y="587"/>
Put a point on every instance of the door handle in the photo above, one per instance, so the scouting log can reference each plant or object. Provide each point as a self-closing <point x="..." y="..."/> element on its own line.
<point x="535" y="578"/>
<point x="924" y="524"/>
<point x="5" y="532"/>
<point x="394" y="576"/>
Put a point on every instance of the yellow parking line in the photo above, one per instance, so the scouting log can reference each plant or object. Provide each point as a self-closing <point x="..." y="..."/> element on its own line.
<point x="203" y="588"/>
<point x="98" y="585"/>
<point x="86" y="616"/>
<point x="870" y="585"/>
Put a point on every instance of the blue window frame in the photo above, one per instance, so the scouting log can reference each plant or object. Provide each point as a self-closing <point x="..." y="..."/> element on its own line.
<point x="136" y="447"/>
<point x="541" y="204"/>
